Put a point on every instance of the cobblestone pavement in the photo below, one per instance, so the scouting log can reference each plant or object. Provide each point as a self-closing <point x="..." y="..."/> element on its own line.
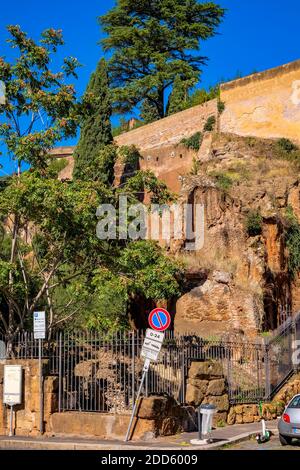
<point x="273" y="444"/>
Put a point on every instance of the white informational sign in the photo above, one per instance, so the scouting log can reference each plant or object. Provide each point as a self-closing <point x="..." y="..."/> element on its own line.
<point x="12" y="391"/>
<point x="39" y="325"/>
<point x="152" y="345"/>
<point x="155" y="335"/>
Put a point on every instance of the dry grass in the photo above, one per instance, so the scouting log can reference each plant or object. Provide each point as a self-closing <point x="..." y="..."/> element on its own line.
<point x="212" y="261"/>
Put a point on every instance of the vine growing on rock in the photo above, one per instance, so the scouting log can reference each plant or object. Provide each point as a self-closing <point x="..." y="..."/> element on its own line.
<point x="292" y="239"/>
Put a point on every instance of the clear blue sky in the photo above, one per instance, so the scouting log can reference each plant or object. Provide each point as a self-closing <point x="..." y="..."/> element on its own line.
<point x="255" y="35"/>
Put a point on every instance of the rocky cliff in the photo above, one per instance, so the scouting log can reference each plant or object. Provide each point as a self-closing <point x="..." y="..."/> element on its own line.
<point x="250" y="192"/>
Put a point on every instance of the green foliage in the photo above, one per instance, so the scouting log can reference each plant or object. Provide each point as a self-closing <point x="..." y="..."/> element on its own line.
<point x="221" y="106"/>
<point x="96" y="133"/>
<point x="146" y="181"/>
<point x="201" y="96"/>
<point x="193" y="142"/>
<point x="286" y="145"/>
<point x="195" y="167"/>
<point x="210" y="124"/>
<point x="292" y="239"/>
<point x="101" y="167"/>
<point x="129" y="155"/>
<point x="285" y="149"/>
<point x="124" y="127"/>
<point x="156" y="276"/>
<point x="61" y="265"/>
<point x="149" y="112"/>
<point x="223" y="180"/>
<point x="178" y="97"/>
<point x="40" y="107"/>
<point x="254" y="223"/>
<point x="57" y="165"/>
<point x="151" y="44"/>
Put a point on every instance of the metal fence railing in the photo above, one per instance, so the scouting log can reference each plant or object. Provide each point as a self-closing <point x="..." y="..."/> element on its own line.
<point x="101" y="373"/>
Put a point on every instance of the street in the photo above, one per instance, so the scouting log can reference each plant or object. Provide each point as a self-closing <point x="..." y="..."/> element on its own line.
<point x="273" y="444"/>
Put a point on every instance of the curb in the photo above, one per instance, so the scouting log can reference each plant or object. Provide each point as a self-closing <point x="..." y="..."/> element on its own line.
<point x="19" y="443"/>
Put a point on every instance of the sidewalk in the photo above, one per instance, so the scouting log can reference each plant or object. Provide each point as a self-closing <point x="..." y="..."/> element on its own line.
<point x="221" y="437"/>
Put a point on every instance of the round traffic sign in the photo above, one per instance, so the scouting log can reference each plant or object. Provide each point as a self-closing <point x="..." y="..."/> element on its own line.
<point x="159" y="319"/>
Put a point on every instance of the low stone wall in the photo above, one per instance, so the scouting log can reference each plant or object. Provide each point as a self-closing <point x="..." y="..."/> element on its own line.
<point x="157" y="416"/>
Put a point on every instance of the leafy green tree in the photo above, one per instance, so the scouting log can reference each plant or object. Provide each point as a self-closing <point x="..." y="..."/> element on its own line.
<point x="149" y="112"/>
<point x="151" y="43"/>
<point x="178" y="97"/>
<point x="96" y="133"/>
<point x="50" y="256"/>
<point x="59" y="220"/>
<point x="40" y="109"/>
<point x="40" y="106"/>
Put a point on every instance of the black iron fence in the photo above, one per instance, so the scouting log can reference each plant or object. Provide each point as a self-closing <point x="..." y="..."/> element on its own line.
<point x="100" y="373"/>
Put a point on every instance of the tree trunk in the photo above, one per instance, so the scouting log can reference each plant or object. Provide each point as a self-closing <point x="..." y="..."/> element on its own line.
<point x="161" y="101"/>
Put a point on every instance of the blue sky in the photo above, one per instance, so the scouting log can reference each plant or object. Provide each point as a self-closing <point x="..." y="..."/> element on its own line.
<point x="255" y="35"/>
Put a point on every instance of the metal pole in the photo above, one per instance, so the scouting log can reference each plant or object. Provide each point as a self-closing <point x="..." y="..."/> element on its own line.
<point x="145" y="370"/>
<point x="59" y="375"/>
<point x="11" y="421"/>
<point x="267" y="372"/>
<point x="199" y="424"/>
<point x="41" y="389"/>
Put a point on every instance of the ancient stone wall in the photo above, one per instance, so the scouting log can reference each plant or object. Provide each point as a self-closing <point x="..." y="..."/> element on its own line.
<point x="157" y="416"/>
<point x="264" y="104"/>
<point x="170" y="130"/>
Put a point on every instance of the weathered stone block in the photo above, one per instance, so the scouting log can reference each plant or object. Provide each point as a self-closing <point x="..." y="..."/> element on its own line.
<point x="152" y="407"/>
<point x="206" y="370"/>
<point x="194" y="395"/>
<point x="221" y="403"/>
<point x="216" y="387"/>
<point x="231" y="416"/>
<point x="248" y="418"/>
<point x="220" y="419"/>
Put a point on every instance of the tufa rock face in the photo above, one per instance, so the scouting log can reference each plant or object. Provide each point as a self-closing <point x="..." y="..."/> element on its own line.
<point x="247" y="284"/>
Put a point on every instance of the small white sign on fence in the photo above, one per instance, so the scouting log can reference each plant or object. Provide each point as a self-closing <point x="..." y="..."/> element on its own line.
<point x="152" y="344"/>
<point x="39" y="325"/>
<point x="12" y="391"/>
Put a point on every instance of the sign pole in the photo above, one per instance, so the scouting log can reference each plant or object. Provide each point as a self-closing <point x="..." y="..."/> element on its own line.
<point x="145" y="371"/>
<point x="11" y="420"/>
<point x="39" y="332"/>
<point x="41" y="389"/>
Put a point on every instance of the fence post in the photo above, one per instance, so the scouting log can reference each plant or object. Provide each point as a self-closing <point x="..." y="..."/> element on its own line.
<point x="133" y="366"/>
<point x="229" y="383"/>
<point x="267" y="372"/>
<point x="183" y="377"/>
<point x="59" y="372"/>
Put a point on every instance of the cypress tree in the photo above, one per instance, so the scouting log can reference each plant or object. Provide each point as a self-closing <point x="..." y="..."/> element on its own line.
<point x="178" y="97"/>
<point x="149" y="111"/>
<point x="96" y="134"/>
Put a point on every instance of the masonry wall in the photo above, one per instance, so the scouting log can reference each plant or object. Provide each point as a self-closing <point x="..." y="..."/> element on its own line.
<point x="264" y="105"/>
<point x="170" y="130"/>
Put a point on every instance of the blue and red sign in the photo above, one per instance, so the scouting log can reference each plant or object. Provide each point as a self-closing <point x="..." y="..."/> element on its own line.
<point x="159" y="319"/>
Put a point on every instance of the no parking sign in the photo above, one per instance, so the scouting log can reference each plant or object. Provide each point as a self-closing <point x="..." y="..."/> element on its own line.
<point x="159" y="319"/>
